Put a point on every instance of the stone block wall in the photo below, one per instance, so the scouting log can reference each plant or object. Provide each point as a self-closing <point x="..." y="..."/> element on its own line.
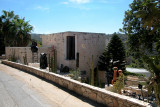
<point x="86" y="44"/>
<point x="21" y="51"/>
<point x="97" y="94"/>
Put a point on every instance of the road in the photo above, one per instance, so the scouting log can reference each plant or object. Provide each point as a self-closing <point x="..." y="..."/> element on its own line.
<point x="139" y="71"/>
<point x="20" y="89"/>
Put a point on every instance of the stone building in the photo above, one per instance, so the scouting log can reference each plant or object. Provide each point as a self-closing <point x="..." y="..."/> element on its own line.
<point x="68" y="44"/>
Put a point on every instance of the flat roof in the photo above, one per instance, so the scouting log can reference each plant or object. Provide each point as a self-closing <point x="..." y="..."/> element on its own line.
<point x="73" y="32"/>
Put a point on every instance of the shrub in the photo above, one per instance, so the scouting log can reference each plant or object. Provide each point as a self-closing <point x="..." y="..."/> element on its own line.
<point x="118" y="85"/>
<point x="75" y="74"/>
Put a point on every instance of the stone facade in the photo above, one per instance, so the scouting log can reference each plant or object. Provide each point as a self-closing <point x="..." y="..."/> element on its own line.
<point x="94" y="93"/>
<point x="86" y="44"/>
<point x="20" y="52"/>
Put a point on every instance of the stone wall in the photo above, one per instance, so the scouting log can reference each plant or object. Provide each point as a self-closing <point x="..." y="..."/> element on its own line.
<point x="21" y="51"/>
<point x="97" y="94"/>
<point x="2" y="57"/>
<point x="86" y="44"/>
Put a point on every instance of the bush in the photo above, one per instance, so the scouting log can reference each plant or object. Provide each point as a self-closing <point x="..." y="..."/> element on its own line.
<point x="118" y="85"/>
<point x="75" y="74"/>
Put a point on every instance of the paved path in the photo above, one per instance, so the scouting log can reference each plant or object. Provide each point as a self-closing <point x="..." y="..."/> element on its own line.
<point x="20" y="89"/>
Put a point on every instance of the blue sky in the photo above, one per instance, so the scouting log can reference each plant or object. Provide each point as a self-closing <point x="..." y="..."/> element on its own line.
<point x="52" y="16"/>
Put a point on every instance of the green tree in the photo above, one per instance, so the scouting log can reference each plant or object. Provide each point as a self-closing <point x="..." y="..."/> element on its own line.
<point x="143" y="37"/>
<point x="151" y="19"/>
<point x="116" y="52"/>
<point x="150" y="14"/>
<point x="114" y="55"/>
<point x="139" y="40"/>
<point x="2" y="47"/>
<point x="104" y="61"/>
<point x="14" y="31"/>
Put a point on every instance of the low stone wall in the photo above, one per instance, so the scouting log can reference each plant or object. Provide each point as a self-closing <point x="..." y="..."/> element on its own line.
<point x="2" y="57"/>
<point x="97" y="94"/>
<point x="20" y="52"/>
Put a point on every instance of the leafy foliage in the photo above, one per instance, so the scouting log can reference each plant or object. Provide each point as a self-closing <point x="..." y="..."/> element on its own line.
<point x="141" y="43"/>
<point x="151" y="19"/>
<point x="153" y="65"/>
<point x="139" y="39"/>
<point x="154" y="84"/>
<point x="75" y="74"/>
<point x="13" y="30"/>
<point x="136" y="62"/>
<point x="118" y="85"/>
<point x="141" y="24"/>
<point x="150" y="14"/>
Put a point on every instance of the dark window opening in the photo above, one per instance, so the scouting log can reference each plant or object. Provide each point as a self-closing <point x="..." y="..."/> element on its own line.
<point x="70" y="47"/>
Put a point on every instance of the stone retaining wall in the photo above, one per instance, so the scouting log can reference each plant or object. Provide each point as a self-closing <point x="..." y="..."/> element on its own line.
<point x="97" y="94"/>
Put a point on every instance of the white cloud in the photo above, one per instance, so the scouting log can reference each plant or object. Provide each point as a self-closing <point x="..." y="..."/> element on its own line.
<point x="111" y="1"/>
<point x="80" y="1"/>
<point x="77" y="4"/>
<point x="65" y="3"/>
<point x="42" y="8"/>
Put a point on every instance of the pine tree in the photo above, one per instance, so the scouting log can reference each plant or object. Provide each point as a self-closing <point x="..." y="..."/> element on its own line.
<point x="117" y="52"/>
<point x="104" y="60"/>
<point x="114" y="55"/>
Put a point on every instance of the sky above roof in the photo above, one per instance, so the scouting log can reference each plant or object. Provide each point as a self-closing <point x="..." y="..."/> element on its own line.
<point x="52" y="16"/>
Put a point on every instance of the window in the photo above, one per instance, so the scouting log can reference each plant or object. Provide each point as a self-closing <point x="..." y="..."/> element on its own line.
<point x="70" y="47"/>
